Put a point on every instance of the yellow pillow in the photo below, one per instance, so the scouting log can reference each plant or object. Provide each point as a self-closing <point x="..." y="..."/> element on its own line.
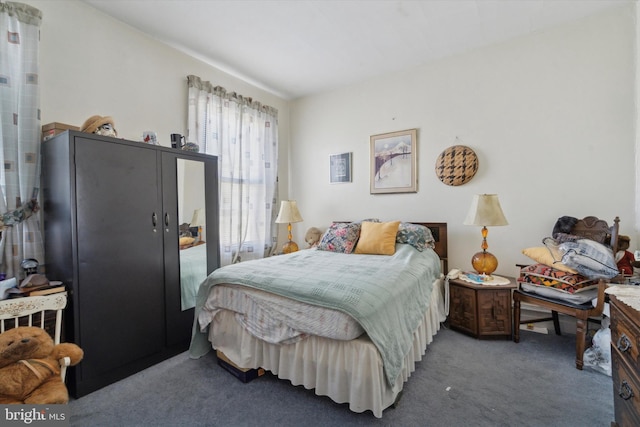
<point x="550" y="256"/>
<point x="186" y="241"/>
<point x="377" y="238"/>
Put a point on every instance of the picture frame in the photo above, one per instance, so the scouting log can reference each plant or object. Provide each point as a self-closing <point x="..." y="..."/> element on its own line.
<point x="340" y="168"/>
<point x="394" y="162"/>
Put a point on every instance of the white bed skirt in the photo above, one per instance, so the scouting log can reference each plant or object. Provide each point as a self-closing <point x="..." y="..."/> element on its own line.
<point x="345" y="371"/>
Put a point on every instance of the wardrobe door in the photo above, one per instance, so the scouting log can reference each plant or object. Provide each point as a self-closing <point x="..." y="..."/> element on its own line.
<point x="120" y="291"/>
<point x="178" y="321"/>
<point x="189" y="186"/>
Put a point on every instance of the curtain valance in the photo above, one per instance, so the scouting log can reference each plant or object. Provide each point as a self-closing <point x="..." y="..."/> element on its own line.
<point x="198" y="83"/>
<point x="22" y="12"/>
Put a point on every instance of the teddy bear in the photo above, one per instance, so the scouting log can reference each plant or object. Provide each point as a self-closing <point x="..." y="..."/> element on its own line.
<point x="313" y="237"/>
<point x="625" y="260"/>
<point x="30" y="367"/>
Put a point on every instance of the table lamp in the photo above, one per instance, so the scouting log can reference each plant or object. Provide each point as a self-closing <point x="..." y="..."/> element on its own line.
<point x="198" y="220"/>
<point x="289" y="213"/>
<point x="485" y="211"/>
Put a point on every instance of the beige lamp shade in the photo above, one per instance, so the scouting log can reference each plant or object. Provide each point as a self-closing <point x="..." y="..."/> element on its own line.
<point x="485" y="210"/>
<point x="288" y="212"/>
<point x="198" y="219"/>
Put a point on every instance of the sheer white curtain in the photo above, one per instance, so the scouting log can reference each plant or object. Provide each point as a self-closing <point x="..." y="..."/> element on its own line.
<point x="244" y="135"/>
<point x="20" y="130"/>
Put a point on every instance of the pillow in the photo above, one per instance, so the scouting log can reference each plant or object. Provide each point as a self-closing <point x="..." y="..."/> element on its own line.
<point x="543" y="275"/>
<point x="549" y="254"/>
<point x="416" y="235"/>
<point x="186" y="241"/>
<point x="340" y="237"/>
<point x="378" y="238"/>
<point x="581" y="296"/>
<point x="589" y="258"/>
<point x="564" y="237"/>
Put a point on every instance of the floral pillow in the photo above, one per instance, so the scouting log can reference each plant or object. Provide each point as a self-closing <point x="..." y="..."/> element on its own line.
<point x="543" y="275"/>
<point x="416" y="235"/>
<point x="340" y="237"/>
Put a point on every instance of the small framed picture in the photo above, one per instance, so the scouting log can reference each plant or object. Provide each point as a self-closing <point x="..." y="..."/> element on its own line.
<point x="340" y="168"/>
<point x="393" y="162"/>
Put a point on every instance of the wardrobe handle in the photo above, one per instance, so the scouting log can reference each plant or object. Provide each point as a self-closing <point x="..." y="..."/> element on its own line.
<point x="624" y="343"/>
<point x="166" y="219"/>
<point x="154" y="219"/>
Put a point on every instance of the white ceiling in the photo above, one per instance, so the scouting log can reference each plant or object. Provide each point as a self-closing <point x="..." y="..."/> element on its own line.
<point x="297" y="48"/>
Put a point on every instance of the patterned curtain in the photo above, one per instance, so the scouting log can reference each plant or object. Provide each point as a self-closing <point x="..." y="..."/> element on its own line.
<point x="20" y="132"/>
<point x="244" y="135"/>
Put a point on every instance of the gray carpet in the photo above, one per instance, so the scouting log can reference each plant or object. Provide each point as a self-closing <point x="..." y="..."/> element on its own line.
<point x="460" y="381"/>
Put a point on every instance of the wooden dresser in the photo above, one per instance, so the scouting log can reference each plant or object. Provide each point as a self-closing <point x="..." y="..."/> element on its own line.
<point x="625" y="359"/>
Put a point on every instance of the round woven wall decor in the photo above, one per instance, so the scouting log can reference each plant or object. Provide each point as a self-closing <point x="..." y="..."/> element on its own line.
<point x="456" y="165"/>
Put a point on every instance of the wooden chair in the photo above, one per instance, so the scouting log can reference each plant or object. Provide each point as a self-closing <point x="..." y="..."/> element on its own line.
<point x="592" y="228"/>
<point x="32" y="311"/>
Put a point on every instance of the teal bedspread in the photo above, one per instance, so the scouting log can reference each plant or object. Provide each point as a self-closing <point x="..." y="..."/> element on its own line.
<point x="193" y="268"/>
<point x="387" y="295"/>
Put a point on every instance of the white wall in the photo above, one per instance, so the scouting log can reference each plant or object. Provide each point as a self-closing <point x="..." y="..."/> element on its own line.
<point x="92" y="64"/>
<point x="551" y="117"/>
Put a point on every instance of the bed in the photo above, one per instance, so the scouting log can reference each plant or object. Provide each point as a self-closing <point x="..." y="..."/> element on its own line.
<point x="368" y="332"/>
<point x="193" y="267"/>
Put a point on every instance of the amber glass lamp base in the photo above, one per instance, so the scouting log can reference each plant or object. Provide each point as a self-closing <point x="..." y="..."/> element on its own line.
<point x="484" y="262"/>
<point x="289" y="247"/>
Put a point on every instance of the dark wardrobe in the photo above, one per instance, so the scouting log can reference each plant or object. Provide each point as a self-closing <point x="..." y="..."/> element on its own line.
<point x="111" y="222"/>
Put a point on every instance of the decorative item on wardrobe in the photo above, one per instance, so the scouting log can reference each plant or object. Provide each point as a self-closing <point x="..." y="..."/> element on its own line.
<point x="485" y="211"/>
<point x="176" y="140"/>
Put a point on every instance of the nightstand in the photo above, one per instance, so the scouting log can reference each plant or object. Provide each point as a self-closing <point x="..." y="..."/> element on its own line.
<point x="482" y="311"/>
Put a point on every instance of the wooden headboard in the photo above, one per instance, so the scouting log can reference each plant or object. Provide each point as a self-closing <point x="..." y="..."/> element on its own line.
<point x="596" y="229"/>
<point x="439" y="231"/>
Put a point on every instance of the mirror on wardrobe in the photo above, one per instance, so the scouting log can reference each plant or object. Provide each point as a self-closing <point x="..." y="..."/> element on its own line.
<point x="192" y="229"/>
